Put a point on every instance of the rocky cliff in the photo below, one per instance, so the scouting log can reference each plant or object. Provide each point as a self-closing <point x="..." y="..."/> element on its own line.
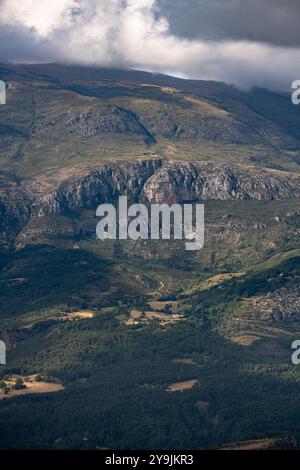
<point x="158" y="182"/>
<point x="152" y="181"/>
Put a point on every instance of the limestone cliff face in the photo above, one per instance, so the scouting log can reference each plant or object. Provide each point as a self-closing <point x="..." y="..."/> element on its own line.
<point x="158" y="182"/>
<point x="176" y="182"/>
<point x="152" y="181"/>
<point x="99" y="185"/>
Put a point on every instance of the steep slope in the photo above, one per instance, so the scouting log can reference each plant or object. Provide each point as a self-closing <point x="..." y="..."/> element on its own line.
<point x="64" y="131"/>
<point x="77" y="118"/>
<point x="76" y="310"/>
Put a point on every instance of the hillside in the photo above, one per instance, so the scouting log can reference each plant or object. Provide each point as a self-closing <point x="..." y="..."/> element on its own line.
<point x="142" y="343"/>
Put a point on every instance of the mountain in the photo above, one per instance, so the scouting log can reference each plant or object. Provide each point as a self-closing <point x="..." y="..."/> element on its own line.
<point x="69" y="113"/>
<point x="65" y="126"/>
<point x="140" y="344"/>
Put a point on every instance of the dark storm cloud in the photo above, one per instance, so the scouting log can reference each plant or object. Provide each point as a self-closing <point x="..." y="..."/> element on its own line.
<point x="244" y="42"/>
<point x="22" y="45"/>
<point x="271" y="21"/>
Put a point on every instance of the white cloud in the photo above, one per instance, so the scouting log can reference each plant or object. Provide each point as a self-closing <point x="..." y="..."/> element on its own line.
<point x="130" y="34"/>
<point x="42" y="15"/>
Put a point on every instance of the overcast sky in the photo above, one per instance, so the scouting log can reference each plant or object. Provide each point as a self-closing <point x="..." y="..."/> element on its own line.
<point x="245" y="42"/>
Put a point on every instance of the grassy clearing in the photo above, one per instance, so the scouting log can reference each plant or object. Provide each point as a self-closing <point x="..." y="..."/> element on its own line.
<point x="182" y="386"/>
<point x="80" y="315"/>
<point x="245" y="340"/>
<point x="213" y="281"/>
<point x="30" y="384"/>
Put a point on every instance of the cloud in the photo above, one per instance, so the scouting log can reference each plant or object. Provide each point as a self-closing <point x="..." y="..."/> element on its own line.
<point x="274" y="22"/>
<point x="140" y="34"/>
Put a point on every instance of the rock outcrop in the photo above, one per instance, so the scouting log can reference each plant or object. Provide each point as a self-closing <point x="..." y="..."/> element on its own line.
<point x="158" y="182"/>
<point x="99" y="185"/>
<point x="150" y="180"/>
<point x="176" y="182"/>
<point x="281" y="305"/>
<point x="108" y="119"/>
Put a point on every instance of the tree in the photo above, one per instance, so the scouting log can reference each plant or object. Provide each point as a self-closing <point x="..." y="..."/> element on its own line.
<point x="19" y="384"/>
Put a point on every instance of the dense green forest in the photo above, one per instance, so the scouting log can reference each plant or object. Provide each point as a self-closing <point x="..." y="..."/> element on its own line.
<point x="116" y="377"/>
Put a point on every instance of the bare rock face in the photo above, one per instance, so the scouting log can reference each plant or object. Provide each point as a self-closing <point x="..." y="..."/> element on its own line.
<point x="152" y="181"/>
<point x="177" y="182"/>
<point x="100" y="185"/>
<point x="155" y="182"/>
